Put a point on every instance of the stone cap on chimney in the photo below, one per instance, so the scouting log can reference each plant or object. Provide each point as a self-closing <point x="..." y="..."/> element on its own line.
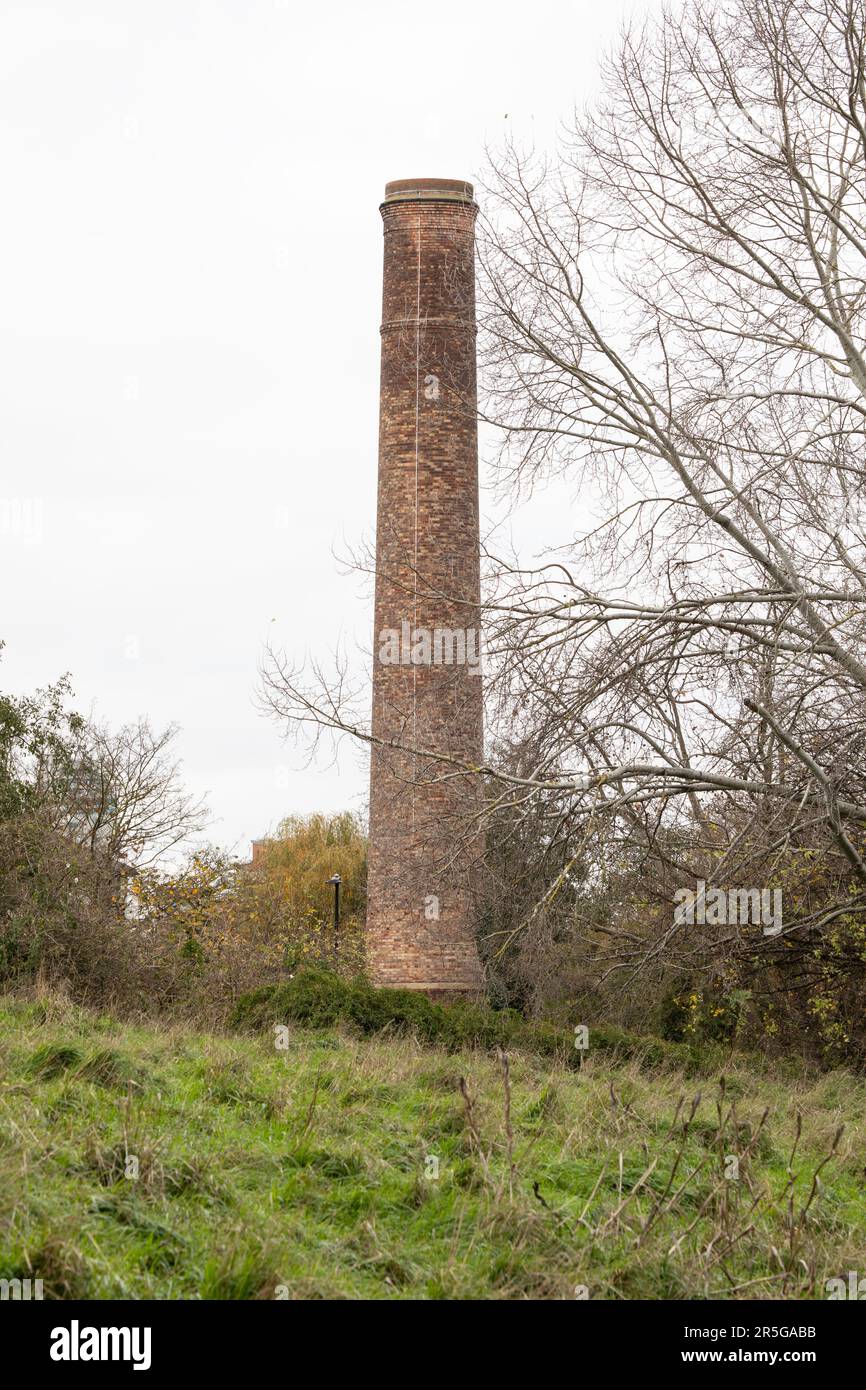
<point x="429" y="191"/>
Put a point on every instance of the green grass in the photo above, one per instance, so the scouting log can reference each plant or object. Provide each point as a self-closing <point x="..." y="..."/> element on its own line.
<point x="159" y="1162"/>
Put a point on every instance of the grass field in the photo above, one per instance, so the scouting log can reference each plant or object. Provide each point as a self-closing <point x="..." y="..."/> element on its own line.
<point x="159" y="1162"/>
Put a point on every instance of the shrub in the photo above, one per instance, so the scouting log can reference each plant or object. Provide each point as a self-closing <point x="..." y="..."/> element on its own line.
<point x="317" y="998"/>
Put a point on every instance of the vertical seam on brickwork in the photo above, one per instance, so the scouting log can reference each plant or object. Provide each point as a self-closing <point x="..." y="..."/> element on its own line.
<point x="415" y="555"/>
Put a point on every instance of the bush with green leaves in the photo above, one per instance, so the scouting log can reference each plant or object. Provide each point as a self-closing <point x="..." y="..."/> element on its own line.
<point x="316" y="998"/>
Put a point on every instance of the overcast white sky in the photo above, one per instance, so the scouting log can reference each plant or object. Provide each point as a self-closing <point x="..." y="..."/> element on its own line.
<point x="190" y="266"/>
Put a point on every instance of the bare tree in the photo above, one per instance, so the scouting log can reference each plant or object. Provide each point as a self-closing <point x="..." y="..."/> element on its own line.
<point x="123" y="797"/>
<point x="115" y="793"/>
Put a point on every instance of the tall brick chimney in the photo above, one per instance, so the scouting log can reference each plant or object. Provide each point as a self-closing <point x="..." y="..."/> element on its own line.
<point x="426" y="653"/>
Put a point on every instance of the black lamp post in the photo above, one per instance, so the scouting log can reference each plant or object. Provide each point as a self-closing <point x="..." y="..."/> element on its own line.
<point x="336" y="880"/>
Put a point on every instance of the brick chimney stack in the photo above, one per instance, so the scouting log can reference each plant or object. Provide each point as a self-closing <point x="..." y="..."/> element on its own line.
<point x="426" y="648"/>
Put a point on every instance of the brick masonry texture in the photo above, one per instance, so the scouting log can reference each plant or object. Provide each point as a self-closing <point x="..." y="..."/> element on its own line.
<point x="423" y="842"/>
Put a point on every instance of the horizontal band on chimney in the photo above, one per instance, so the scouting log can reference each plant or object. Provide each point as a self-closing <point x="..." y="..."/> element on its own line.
<point x="431" y="323"/>
<point x="445" y="986"/>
